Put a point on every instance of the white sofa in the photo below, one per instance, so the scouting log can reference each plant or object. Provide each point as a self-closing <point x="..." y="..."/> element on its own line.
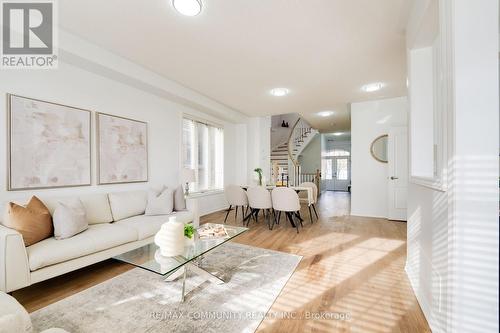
<point x="117" y="224"/>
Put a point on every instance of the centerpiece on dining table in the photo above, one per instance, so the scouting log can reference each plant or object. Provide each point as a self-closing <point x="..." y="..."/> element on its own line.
<point x="259" y="174"/>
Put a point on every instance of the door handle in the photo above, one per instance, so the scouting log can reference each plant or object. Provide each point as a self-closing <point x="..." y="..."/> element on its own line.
<point x="394" y="178"/>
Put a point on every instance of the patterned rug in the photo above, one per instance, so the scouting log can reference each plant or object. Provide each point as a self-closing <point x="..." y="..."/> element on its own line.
<point x="141" y="301"/>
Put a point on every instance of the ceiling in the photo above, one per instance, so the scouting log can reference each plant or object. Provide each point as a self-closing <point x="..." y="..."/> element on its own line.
<point x="339" y="121"/>
<point x="339" y="136"/>
<point x="235" y="51"/>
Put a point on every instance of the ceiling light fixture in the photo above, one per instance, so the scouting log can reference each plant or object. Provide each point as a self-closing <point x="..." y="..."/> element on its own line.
<point x="279" y="92"/>
<point x="187" y="7"/>
<point x="325" y="113"/>
<point x="338" y="133"/>
<point x="371" y="87"/>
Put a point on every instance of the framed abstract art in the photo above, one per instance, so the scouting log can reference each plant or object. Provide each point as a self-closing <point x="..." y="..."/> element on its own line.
<point x="48" y="144"/>
<point x="122" y="149"/>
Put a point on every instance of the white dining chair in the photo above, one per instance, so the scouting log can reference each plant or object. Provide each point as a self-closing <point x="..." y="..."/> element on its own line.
<point x="235" y="196"/>
<point x="311" y="201"/>
<point x="259" y="198"/>
<point x="286" y="200"/>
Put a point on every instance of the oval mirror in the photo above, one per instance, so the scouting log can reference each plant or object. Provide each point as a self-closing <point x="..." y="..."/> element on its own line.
<point x="379" y="148"/>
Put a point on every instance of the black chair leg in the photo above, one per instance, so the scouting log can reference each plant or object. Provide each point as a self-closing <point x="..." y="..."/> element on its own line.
<point x="289" y="215"/>
<point x="279" y="217"/>
<point x="274" y="219"/>
<point x="310" y="214"/>
<point x="315" y="213"/>
<point x="236" y="214"/>
<point x="228" y="210"/>
<point x="300" y="219"/>
<point x="268" y="216"/>
<point x="250" y="217"/>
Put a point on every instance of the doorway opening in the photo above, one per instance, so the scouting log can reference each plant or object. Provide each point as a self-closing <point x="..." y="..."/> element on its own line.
<point x="336" y="162"/>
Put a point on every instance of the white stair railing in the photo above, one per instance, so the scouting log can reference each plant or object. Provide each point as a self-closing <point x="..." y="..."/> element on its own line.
<point x="297" y="135"/>
<point x="300" y="130"/>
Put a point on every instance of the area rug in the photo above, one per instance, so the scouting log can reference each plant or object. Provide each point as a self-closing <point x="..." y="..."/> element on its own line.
<point x="141" y="301"/>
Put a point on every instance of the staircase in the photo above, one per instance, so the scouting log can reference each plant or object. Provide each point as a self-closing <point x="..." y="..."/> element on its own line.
<point x="285" y="156"/>
<point x="279" y="156"/>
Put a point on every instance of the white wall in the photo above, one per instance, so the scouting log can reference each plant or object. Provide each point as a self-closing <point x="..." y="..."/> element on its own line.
<point x="476" y="100"/>
<point x="279" y="136"/>
<point x="84" y="88"/>
<point x="289" y="118"/>
<point x="453" y="234"/>
<point x="310" y="158"/>
<point x="258" y="147"/>
<point x="368" y="176"/>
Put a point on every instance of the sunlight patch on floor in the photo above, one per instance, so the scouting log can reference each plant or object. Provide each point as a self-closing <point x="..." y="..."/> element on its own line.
<point x="332" y="274"/>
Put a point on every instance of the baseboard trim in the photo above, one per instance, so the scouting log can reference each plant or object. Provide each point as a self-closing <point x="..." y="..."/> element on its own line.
<point x="424" y="305"/>
<point x="371" y="216"/>
<point x="214" y="211"/>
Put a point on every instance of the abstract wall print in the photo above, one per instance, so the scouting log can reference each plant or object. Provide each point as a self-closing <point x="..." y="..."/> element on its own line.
<point x="49" y="144"/>
<point x="123" y="150"/>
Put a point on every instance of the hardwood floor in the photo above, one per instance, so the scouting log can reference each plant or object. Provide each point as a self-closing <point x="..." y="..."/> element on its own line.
<point x="351" y="267"/>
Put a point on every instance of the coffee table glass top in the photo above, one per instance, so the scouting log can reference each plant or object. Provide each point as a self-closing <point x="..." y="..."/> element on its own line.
<point x="148" y="257"/>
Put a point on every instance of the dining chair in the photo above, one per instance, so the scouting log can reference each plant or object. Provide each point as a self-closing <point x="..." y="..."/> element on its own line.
<point x="286" y="200"/>
<point x="311" y="202"/>
<point x="235" y="196"/>
<point x="259" y="198"/>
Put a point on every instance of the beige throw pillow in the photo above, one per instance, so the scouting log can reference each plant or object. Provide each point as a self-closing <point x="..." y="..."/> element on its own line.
<point x="160" y="203"/>
<point x="69" y="219"/>
<point x="33" y="222"/>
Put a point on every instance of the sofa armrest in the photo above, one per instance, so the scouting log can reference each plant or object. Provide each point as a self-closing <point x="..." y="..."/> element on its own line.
<point x="14" y="266"/>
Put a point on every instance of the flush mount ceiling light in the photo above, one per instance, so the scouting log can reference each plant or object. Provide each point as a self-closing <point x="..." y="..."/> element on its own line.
<point x="325" y="113"/>
<point x="279" y="92"/>
<point x="371" y="87"/>
<point x="338" y="133"/>
<point x="187" y="7"/>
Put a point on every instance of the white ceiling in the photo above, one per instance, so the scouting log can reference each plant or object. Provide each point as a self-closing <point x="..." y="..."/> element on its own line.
<point x="339" y="121"/>
<point x="236" y="50"/>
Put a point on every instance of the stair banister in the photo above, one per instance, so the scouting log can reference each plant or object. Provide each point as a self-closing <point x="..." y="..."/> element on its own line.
<point x="291" y="143"/>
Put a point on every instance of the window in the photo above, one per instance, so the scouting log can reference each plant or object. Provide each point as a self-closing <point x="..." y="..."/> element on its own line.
<point x="342" y="169"/>
<point x="203" y="151"/>
<point x="327" y="168"/>
<point x="429" y="95"/>
<point x="336" y="152"/>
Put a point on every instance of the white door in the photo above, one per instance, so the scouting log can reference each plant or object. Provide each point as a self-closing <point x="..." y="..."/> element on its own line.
<point x="397" y="155"/>
<point x="336" y="173"/>
<point x="342" y="173"/>
<point x="327" y="174"/>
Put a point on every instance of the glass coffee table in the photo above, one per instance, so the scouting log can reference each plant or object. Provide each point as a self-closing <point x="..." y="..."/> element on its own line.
<point x="148" y="257"/>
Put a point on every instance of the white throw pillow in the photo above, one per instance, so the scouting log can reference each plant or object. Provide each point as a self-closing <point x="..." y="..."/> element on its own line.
<point x="97" y="208"/>
<point x="160" y="203"/>
<point x="179" y="200"/>
<point x="127" y="204"/>
<point x="69" y="219"/>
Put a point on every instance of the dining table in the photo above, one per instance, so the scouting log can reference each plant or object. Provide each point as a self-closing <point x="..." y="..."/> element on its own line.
<point x="297" y="189"/>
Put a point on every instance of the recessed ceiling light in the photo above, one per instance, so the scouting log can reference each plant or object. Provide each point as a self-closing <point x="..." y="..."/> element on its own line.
<point x="279" y="92"/>
<point x="371" y="87"/>
<point x="325" y="113"/>
<point x="338" y="133"/>
<point x="187" y="7"/>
